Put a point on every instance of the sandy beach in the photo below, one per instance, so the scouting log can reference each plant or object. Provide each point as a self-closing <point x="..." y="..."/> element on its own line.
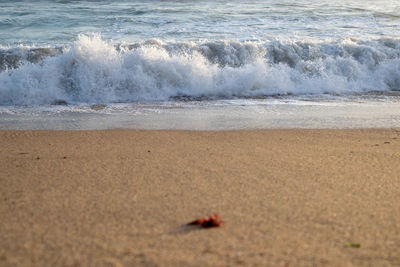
<point x="123" y="198"/>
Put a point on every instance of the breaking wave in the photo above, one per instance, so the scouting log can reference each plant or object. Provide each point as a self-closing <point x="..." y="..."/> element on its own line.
<point x="96" y="71"/>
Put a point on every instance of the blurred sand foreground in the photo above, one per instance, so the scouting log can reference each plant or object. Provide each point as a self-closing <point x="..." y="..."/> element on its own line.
<point x="123" y="197"/>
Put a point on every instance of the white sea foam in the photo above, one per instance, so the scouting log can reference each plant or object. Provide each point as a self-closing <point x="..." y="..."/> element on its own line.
<point x="93" y="70"/>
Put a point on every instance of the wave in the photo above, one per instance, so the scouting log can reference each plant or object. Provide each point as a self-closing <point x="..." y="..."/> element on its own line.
<point x="93" y="70"/>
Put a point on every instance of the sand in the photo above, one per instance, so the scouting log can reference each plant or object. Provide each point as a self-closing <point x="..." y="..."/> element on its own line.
<point x="123" y="197"/>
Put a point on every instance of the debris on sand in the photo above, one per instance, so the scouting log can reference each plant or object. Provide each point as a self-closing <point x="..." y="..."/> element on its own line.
<point x="353" y="245"/>
<point x="208" y="222"/>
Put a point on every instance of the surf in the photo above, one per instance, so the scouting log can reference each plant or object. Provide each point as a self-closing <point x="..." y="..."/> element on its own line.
<point x="94" y="70"/>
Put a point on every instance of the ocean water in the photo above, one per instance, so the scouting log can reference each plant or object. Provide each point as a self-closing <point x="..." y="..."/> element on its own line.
<point x="199" y="64"/>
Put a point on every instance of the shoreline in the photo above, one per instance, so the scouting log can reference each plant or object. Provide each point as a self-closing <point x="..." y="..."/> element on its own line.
<point x="122" y="197"/>
<point x="225" y="115"/>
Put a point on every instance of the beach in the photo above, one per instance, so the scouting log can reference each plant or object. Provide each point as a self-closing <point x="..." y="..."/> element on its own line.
<point x="124" y="197"/>
<point x="123" y="121"/>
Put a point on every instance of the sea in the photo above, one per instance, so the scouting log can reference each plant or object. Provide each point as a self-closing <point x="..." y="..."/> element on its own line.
<point x="199" y="65"/>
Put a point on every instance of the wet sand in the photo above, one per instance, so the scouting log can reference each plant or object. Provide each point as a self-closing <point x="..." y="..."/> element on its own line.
<point x="123" y="197"/>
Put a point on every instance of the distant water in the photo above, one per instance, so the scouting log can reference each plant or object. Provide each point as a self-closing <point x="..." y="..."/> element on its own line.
<point x="82" y="53"/>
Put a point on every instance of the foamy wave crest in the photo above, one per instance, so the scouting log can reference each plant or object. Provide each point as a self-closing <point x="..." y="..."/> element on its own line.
<point x="95" y="71"/>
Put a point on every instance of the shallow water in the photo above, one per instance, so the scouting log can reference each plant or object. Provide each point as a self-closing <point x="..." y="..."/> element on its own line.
<point x="209" y="115"/>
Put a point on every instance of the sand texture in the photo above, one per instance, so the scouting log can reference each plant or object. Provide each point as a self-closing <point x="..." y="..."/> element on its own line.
<point x="123" y="197"/>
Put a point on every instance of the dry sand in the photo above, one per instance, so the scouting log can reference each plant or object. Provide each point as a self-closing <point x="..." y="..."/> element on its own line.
<point x="122" y="198"/>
